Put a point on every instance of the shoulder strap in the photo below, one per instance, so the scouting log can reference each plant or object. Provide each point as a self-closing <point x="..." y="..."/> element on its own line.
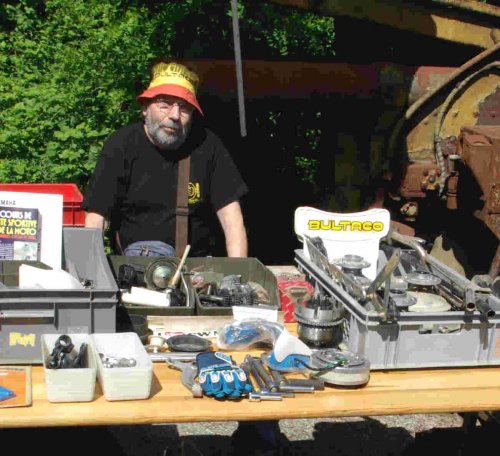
<point x="182" y="209"/>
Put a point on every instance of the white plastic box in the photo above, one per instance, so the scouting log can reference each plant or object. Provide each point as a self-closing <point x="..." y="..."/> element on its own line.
<point x="123" y="383"/>
<point x="69" y="385"/>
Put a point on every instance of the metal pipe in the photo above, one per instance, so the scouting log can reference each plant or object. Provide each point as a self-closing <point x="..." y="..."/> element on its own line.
<point x="258" y="367"/>
<point x="239" y="70"/>
<point x="485" y="307"/>
<point x="455" y="300"/>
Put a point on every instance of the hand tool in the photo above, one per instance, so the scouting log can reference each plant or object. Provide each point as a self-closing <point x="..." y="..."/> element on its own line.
<point x="264" y="390"/>
<point x="297" y="385"/>
<point x="189" y="373"/>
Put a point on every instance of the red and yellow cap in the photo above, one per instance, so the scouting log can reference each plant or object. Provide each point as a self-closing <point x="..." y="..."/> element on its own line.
<point x="172" y="79"/>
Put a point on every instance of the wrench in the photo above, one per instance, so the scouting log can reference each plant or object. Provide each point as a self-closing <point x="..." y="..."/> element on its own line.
<point x="189" y="373"/>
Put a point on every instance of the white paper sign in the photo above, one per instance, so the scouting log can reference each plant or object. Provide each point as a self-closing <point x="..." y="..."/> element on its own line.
<point x="242" y="312"/>
<point x="50" y="208"/>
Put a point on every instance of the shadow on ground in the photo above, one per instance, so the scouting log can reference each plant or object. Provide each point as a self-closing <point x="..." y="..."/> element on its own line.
<point x="364" y="437"/>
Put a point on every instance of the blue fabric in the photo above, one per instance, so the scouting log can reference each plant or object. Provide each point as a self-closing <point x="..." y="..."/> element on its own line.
<point x="220" y="377"/>
<point x="149" y="248"/>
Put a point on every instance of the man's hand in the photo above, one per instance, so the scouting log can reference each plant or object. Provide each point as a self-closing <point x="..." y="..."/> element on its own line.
<point x="231" y="219"/>
<point x="95" y="220"/>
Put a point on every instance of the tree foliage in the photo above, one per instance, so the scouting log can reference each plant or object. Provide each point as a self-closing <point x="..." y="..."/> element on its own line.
<point x="70" y="71"/>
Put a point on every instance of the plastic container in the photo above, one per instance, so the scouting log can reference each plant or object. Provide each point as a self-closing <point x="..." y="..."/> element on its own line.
<point x="73" y="214"/>
<point x="250" y="269"/>
<point x="69" y="385"/>
<point x="115" y="261"/>
<point x="416" y="339"/>
<point x="26" y="314"/>
<point x="123" y="383"/>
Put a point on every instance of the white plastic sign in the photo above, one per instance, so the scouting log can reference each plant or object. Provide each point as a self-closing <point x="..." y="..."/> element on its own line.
<point x="356" y="233"/>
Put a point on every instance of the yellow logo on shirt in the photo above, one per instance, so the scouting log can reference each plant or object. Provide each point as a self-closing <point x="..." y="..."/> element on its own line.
<point x="193" y="192"/>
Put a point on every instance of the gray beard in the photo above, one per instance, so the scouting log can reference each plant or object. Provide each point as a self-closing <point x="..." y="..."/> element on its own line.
<point x="163" y="139"/>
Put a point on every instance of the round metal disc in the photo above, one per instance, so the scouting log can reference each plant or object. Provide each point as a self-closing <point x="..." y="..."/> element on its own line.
<point x="352" y="262"/>
<point x="422" y="278"/>
<point x="158" y="273"/>
<point x="428" y="302"/>
<point x="332" y="355"/>
<point x="161" y="276"/>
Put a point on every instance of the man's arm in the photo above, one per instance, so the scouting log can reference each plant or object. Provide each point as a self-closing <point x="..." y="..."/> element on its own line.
<point x="231" y="219"/>
<point x="95" y="220"/>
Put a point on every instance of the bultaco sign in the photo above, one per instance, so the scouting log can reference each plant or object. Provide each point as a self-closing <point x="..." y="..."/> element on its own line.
<point x="356" y="233"/>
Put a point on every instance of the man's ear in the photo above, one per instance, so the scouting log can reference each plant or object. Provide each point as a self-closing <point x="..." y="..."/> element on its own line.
<point x="144" y="107"/>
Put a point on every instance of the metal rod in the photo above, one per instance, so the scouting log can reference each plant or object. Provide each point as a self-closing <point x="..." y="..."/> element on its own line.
<point x="239" y="71"/>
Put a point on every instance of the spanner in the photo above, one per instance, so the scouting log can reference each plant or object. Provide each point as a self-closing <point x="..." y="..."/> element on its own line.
<point x="189" y="373"/>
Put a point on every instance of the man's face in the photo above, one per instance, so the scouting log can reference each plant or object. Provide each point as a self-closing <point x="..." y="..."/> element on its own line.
<point x="168" y="120"/>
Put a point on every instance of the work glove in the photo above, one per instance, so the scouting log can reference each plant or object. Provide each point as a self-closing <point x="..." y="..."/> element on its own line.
<point x="220" y="377"/>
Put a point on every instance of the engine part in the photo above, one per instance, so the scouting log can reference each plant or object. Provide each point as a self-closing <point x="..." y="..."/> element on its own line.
<point x="156" y="344"/>
<point x="422" y="279"/>
<point x="130" y="275"/>
<point x="341" y="368"/>
<point x="319" y="257"/>
<point x="155" y="276"/>
<point x="319" y="322"/>
<point x="232" y="292"/>
<point x="485" y="307"/>
<point x="428" y="302"/>
<point x="158" y="273"/>
<point x="386" y="308"/>
<point x="111" y="361"/>
<point x="401" y="299"/>
<point x="188" y="343"/>
<point x="63" y="354"/>
<point x="352" y="264"/>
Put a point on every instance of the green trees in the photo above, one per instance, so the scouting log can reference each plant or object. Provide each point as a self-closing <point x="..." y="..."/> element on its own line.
<point x="70" y="71"/>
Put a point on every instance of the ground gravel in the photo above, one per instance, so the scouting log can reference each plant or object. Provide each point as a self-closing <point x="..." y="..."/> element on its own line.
<point x="405" y="435"/>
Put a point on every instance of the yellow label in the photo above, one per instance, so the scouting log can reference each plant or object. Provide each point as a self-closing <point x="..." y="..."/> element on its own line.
<point x="174" y="73"/>
<point x="344" y="225"/>
<point x="16" y="338"/>
<point x="193" y="192"/>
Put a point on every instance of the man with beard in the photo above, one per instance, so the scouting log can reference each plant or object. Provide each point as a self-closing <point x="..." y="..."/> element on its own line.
<point x="134" y="185"/>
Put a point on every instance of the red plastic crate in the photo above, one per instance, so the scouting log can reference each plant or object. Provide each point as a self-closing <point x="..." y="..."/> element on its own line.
<point x="73" y="214"/>
<point x="293" y="291"/>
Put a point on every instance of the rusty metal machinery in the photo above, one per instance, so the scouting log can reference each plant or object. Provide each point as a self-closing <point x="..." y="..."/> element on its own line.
<point x="450" y="138"/>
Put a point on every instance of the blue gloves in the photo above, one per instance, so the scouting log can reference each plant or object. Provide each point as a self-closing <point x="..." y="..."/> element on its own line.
<point x="220" y="377"/>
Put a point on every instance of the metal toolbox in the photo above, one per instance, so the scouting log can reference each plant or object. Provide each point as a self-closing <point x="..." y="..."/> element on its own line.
<point x="26" y="314"/>
<point x="468" y="335"/>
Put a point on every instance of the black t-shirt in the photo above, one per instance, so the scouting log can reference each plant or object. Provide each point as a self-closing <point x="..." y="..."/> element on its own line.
<point x="134" y="185"/>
